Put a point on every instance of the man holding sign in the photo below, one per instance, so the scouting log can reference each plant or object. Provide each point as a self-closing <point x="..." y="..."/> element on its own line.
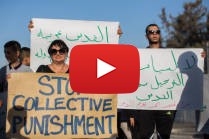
<point x="149" y="119"/>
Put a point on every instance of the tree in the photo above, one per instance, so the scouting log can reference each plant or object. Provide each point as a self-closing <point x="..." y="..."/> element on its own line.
<point x="189" y="29"/>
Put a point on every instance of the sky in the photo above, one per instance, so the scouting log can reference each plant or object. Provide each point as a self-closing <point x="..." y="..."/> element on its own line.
<point x="133" y="15"/>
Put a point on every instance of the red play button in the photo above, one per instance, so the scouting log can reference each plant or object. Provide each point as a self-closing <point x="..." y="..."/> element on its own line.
<point x="104" y="68"/>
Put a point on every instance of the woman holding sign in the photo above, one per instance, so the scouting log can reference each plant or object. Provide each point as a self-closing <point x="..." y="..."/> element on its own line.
<point x="58" y="52"/>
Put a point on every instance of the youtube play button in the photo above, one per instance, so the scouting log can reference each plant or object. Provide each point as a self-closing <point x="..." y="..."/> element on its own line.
<point x="104" y="68"/>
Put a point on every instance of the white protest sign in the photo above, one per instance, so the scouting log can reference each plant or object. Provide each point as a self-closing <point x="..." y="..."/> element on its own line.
<point x="72" y="32"/>
<point x="169" y="79"/>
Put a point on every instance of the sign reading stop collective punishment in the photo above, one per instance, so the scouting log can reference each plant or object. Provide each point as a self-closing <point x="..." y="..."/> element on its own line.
<point x="44" y="106"/>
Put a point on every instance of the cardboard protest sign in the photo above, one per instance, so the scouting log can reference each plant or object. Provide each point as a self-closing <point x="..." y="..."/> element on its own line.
<point x="42" y="105"/>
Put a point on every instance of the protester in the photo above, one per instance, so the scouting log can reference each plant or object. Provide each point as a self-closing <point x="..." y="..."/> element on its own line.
<point x="12" y="51"/>
<point x="25" y="56"/>
<point x="149" y="120"/>
<point x="58" y="52"/>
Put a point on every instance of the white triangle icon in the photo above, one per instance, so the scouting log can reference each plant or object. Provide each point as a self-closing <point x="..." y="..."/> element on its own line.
<point x="103" y="68"/>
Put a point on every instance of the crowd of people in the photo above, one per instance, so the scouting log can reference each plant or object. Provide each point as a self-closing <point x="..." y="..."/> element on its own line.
<point x="132" y="124"/>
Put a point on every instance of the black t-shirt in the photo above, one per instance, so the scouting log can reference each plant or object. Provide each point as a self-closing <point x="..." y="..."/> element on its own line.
<point x="46" y="69"/>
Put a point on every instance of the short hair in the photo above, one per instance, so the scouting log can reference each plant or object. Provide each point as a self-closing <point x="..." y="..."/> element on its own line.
<point x="150" y="25"/>
<point x="25" y="52"/>
<point x="60" y="43"/>
<point x="13" y="46"/>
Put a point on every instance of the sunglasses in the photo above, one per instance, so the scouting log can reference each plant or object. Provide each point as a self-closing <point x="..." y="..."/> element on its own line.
<point x="153" y="32"/>
<point x="54" y="51"/>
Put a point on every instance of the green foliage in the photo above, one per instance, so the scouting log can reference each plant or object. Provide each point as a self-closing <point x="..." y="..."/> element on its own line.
<point x="188" y="29"/>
